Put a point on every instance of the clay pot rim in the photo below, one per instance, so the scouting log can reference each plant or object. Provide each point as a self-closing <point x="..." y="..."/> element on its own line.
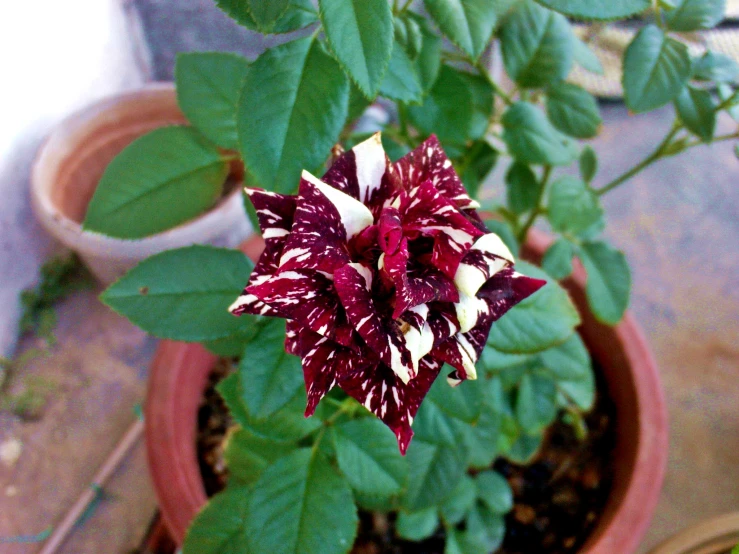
<point x="620" y="533"/>
<point x="55" y="151"/>
<point x="714" y="535"/>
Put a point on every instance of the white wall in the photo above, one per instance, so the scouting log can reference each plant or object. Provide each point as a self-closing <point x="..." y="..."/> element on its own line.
<point x="55" y="57"/>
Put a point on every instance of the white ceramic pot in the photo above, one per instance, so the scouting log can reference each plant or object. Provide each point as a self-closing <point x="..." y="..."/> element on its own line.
<point x="73" y="159"/>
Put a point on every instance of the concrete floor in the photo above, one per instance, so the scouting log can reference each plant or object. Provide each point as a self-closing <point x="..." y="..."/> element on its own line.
<point x="678" y="223"/>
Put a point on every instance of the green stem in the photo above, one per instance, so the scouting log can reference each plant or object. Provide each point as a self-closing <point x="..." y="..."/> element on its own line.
<point x="658" y="14"/>
<point x="646" y="162"/>
<point x="405" y="7"/>
<point x="538" y="208"/>
<point x="493" y="84"/>
<point x="403" y="121"/>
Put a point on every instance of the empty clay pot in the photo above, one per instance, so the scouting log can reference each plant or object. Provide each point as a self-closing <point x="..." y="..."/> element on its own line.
<point x="72" y="161"/>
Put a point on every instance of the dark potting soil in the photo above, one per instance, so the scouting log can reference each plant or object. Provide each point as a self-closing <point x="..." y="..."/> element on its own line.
<point x="558" y="497"/>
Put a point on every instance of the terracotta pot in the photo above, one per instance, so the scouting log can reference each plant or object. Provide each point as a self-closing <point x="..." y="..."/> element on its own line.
<point x="72" y="161"/>
<point x="717" y="535"/>
<point x="179" y="374"/>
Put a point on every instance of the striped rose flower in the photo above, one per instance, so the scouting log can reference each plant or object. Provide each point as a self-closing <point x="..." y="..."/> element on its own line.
<point x="384" y="272"/>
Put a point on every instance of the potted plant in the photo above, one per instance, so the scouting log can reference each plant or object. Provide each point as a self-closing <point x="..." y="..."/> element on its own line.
<point x="88" y="154"/>
<point x="364" y="264"/>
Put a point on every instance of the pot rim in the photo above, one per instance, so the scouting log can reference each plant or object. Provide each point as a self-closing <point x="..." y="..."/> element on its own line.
<point x="623" y="522"/>
<point x="714" y="535"/>
<point x="63" y="144"/>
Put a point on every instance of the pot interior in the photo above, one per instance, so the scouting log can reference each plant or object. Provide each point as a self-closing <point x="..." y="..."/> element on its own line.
<point x="93" y="140"/>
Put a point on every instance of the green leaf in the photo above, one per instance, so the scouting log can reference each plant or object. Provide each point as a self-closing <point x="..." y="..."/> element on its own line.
<point x="482" y="101"/>
<point x="573" y="110"/>
<point x="357" y="103"/>
<point x="266" y="14"/>
<point x="588" y="164"/>
<point x="482" y="437"/>
<point x="557" y="260"/>
<point x="219" y="528"/>
<point x="292" y="109"/>
<point x="428" y="62"/>
<point x="522" y="188"/>
<point x="434" y="471"/>
<point x="494" y="360"/>
<point x="368" y="455"/>
<point x="696" y="110"/>
<point x="448" y="110"/>
<point x="609" y="281"/>
<point x="393" y="149"/>
<point x="728" y="94"/>
<point x="416" y="526"/>
<point x="456" y="506"/>
<point x="409" y="35"/>
<point x="585" y="57"/>
<point x="401" y="81"/>
<point x="479" y="160"/>
<point x="544" y="319"/>
<point x="183" y="294"/>
<point x="537" y="45"/>
<point x="233" y="345"/>
<point x="286" y="425"/>
<point x="602" y="11"/>
<point x="656" y="67"/>
<point x="160" y="180"/>
<point x="468" y="23"/>
<point x="208" y="89"/>
<point x="573" y="207"/>
<point x="525" y="448"/>
<point x="694" y="15"/>
<point x="713" y="66"/>
<point x="570" y="365"/>
<point x="247" y="455"/>
<point x="270" y="377"/>
<point x="494" y="492"/>
<point x="301" y="505"/>
<point x="360" y="33"/>
<point x="532" y="139"/>
<point x="536" y="403"/>
<point x="486" y="529"/>
<point x="299" y="14"/>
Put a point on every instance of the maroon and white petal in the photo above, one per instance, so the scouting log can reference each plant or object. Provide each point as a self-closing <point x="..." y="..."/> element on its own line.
<point x="304" y="295"/>
<point x="383" y="335"/>
<point x="419" y="338"/>
<point x="429" y="162"/>
<point x="487" y="256"/>
<point x="325" y="218"/>
<point x="443" y="322"/>
<point x="424" y="210"/>
<point x="362" y="173"/>
<point x="507" y="288"/>
<point x="324" y="363"/>
<point x="503" y="291"/>
<point x="419" y="286"/>
<point x="292" y="337"/>
<point x="275" y="213"/>
<point x="384" y="394"/>
<point x="459" y="353"/>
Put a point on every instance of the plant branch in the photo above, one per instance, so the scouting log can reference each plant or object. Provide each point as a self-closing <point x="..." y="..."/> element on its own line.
<point x="538" y="208"/>
<point x="646" y="162"/>
<point x="493" y="84"/>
